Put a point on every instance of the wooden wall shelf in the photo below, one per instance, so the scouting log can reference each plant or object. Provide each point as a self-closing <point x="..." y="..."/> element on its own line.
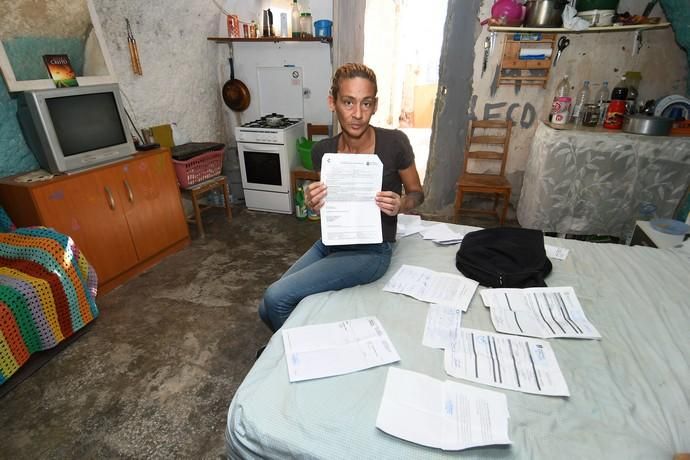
<point x="270" y="39"/>
<point x="561" y="30"/>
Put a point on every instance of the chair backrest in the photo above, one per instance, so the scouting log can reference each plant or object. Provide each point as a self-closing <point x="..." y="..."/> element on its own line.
<point x="318" y="130"/>
<point x="488" y="140"/>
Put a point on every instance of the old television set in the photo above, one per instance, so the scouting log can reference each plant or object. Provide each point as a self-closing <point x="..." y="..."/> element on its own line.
<point x="70" y="129"/>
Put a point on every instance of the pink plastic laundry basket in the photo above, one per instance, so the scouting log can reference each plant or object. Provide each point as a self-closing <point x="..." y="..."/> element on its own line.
<point x="199" y="168"/>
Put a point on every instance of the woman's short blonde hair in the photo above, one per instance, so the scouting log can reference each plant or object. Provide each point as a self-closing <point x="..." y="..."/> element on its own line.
<point x="352" y="70"/>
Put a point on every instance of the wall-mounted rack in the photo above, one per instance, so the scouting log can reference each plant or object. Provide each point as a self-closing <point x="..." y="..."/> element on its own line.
<point x="531" y="72"/>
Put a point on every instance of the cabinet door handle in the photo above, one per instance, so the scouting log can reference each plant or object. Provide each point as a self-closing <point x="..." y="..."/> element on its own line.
<point x="130" y="195"/>
<point x="111" y="200"/>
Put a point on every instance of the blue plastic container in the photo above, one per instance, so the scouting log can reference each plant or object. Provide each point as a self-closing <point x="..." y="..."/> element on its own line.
<point x="322" y="28"/>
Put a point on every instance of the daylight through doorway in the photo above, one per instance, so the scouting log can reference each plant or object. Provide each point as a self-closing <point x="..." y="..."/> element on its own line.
<point x="402" y="43"/>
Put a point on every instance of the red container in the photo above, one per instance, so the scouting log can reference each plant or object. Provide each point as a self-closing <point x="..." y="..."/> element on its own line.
<point x="233" y="26"/>
<point x="199" y="168"/>
<point x="614" y="115"/>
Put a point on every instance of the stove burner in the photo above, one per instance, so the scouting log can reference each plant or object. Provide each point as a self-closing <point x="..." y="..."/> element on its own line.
<point x="272" y="121"/>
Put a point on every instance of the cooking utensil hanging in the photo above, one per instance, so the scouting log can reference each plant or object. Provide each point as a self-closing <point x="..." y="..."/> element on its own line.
<point x="133" y="51"/>
<point x="235" y="93"/>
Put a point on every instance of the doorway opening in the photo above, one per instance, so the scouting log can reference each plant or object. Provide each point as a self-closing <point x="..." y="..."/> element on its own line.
<point x="402" y="44"/>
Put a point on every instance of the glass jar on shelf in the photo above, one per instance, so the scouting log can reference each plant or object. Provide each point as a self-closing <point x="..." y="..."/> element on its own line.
<point x="590" y="115"/>
<point x="306" y="26"/>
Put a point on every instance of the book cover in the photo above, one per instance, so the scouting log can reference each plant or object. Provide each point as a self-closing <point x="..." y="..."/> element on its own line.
<point x="60" y="70"/>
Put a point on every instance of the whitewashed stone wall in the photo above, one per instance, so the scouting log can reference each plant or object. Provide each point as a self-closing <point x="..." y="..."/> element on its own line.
<point x="179" y="82"/>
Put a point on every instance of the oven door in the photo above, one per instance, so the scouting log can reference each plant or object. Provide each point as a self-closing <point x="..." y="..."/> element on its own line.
<point x="264" y="167"/>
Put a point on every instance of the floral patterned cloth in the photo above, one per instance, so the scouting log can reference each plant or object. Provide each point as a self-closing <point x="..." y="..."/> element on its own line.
<point x="593" y="183"/>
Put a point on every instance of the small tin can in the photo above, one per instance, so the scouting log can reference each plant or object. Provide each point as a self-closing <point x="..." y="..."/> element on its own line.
<point x="560" y="109"/>
<point x="590" y="116"/>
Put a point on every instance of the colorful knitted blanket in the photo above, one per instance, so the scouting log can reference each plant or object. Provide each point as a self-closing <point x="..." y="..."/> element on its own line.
<point x="47" y="293"/>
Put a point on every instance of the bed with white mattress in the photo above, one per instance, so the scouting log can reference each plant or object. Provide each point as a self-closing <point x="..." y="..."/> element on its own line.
<point x="629" y="392"/>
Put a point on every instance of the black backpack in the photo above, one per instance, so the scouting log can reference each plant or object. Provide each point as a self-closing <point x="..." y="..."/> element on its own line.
<point x="504" y="257"/>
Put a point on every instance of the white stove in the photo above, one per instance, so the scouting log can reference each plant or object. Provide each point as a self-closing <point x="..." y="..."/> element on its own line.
<point x="267" y="150"/>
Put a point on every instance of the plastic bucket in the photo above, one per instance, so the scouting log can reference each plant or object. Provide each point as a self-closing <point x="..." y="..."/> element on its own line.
<point x="322" y="28"/>
<point x="304" y="146"/>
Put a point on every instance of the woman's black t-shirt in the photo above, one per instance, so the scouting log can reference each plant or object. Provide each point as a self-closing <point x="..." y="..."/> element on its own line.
<point x="395" y="152"/>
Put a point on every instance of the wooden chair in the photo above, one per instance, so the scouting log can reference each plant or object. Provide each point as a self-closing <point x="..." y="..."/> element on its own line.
<point x="494" y="148"/>
<point x="318" y="130"/>
<point x="195" y="192"/>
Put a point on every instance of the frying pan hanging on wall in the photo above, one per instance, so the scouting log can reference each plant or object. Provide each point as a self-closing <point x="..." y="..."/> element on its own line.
<point x="235" y="93"/>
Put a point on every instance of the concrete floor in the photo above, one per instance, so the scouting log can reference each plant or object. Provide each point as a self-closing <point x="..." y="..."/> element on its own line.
<point x="153" y="376"/>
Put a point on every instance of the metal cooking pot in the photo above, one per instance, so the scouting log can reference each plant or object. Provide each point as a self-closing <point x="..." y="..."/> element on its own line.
<point x="544" y="13"/>
<point x="274" y="119"/>
<point x="648" y="125"/>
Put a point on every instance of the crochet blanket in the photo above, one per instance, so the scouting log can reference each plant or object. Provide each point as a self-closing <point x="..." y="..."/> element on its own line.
<point x="47" y="293"/>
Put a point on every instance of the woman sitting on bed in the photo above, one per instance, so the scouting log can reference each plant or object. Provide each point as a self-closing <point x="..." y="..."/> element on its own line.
<point x="328" y="268"/>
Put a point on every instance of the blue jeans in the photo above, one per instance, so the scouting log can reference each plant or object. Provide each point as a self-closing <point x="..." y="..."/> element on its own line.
<point x="323" y="268"/>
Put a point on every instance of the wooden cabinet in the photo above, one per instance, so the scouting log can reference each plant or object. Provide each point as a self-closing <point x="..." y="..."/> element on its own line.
<point x="125" y="217"/>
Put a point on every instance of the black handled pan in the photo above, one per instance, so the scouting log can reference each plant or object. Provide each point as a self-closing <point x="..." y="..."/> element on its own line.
<point x="235" y="92"/>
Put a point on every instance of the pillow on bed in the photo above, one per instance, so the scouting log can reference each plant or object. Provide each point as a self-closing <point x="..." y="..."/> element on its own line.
<point x="6" y="224"/>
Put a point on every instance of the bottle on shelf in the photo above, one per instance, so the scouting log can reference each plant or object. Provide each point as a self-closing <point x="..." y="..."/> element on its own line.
<point x="300" y="205"/>
<point x="620" y="91"/>
<point x="602" y="100"/>
<point x="296" y="31"/>
<point x="579" y="104"/>
<point x="305" y="25"/>
<point x="616" y="109"/>
<point x="560" y="106"/>
<point x="311" y="214"/>
<point x="633" y="79"/>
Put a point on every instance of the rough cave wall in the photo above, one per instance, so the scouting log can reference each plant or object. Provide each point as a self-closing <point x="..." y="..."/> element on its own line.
<point x="678" y="14"/>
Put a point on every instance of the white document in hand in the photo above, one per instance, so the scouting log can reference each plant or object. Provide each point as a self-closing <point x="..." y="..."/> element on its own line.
<point x="324" y="350"/>
<point x="433" y="287"/>
<point x="539" y="312"/>
<point x="506" y="361"/>
<point x="447" y="415"/>
<point x="350" y="214"/>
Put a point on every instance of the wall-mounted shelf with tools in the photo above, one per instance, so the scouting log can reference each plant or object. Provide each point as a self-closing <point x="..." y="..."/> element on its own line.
<point x="526" y="59"/>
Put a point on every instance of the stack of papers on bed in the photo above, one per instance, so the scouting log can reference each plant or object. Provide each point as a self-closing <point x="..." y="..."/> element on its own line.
<point x="433" y="287"/>
<point x="324" y="350"/>
<point x="441" y="234"/>
<point x="409" y="224"/>
<point x="539" y="312"/>
<point x="446" y="415"/>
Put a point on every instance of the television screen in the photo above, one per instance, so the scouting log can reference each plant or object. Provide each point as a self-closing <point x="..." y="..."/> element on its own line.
<point x="86" y="122"/>
<point x="70" y="129"/>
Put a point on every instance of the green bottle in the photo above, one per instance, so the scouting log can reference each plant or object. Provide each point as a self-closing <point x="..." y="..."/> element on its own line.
<point x="300" y="206"/>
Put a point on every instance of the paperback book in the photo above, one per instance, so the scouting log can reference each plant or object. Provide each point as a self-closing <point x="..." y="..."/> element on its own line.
<point x="60" y="70"/>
